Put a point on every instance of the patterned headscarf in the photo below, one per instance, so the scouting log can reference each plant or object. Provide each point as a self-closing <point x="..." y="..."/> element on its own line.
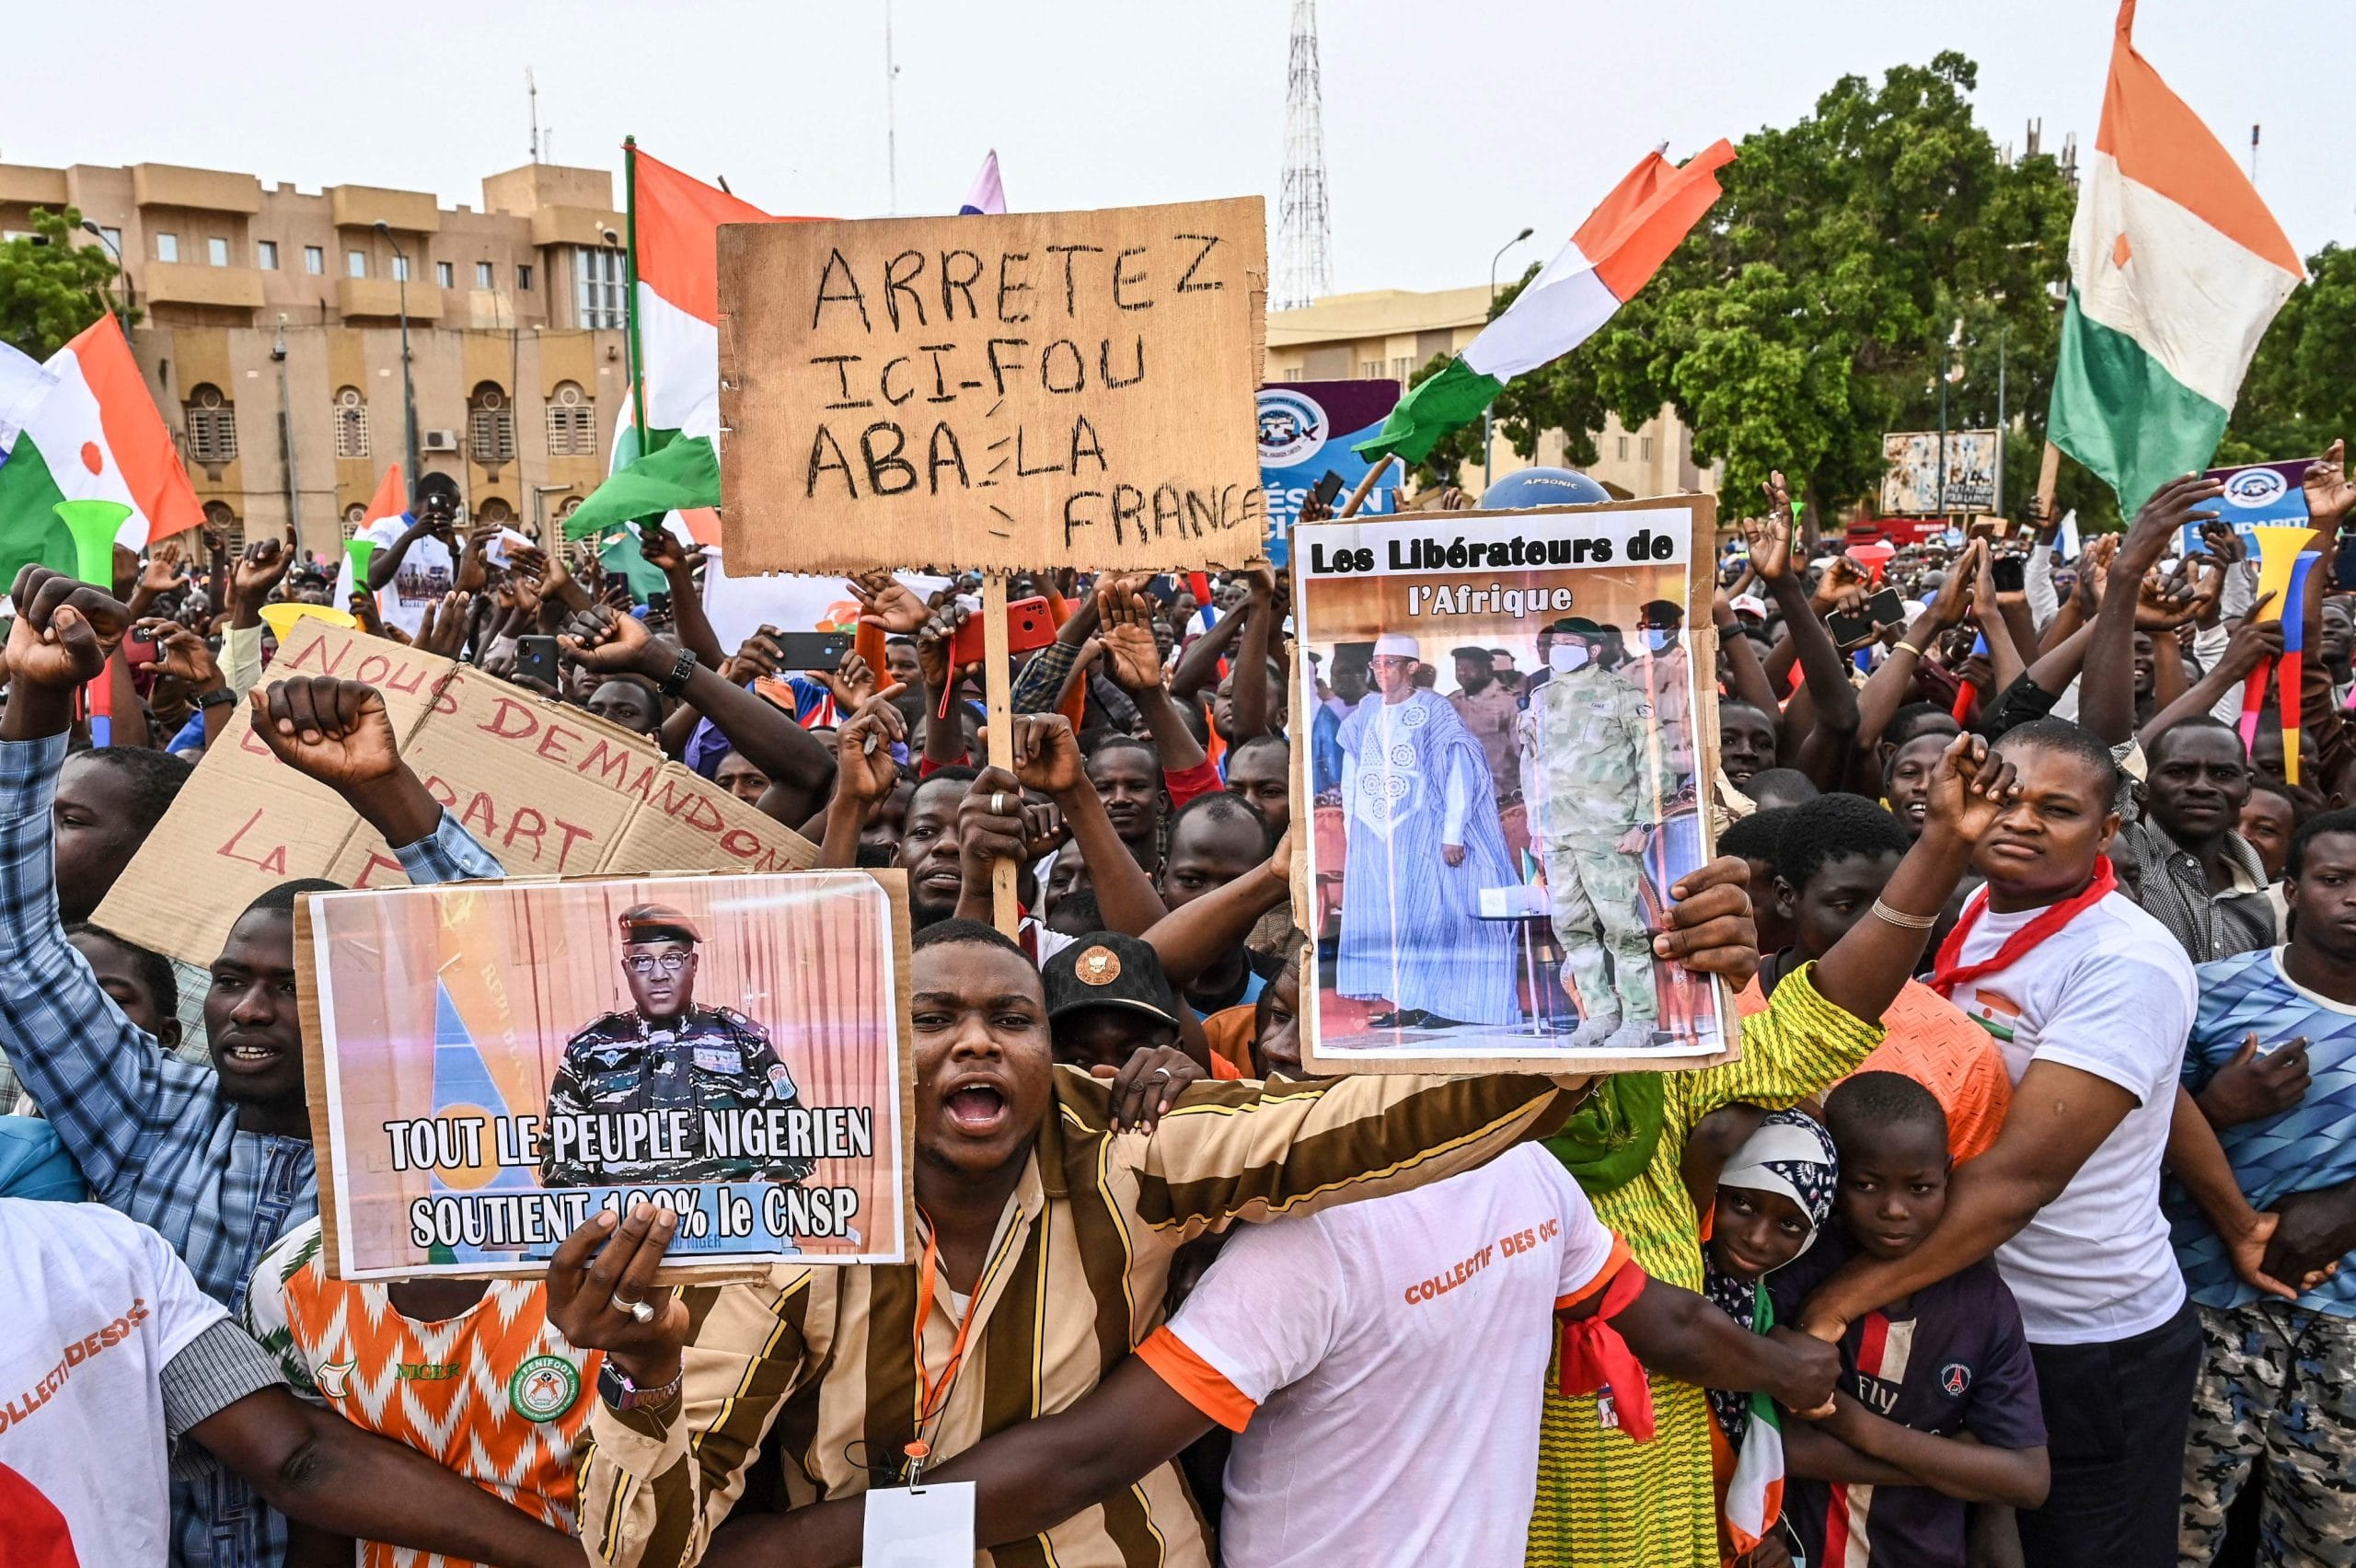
<point x="1791" y="1154"/>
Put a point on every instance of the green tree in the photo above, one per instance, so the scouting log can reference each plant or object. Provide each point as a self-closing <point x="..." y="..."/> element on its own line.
<point x="52" y="286"/>
<point x="2300" y="393"/>
<point x="1812" y="311"/>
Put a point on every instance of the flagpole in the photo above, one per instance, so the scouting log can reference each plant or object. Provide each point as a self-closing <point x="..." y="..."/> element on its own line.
<point x="629" y="336"/>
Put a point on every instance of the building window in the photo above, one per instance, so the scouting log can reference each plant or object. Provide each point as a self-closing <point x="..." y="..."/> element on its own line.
<point x="400" y="269"/>
<point x="353" y="517"/>
<point x="1369" y="370"/>
<point x="228" y="525"/>
<point x="216" y="251"/>
<point x="113" y="239"/>
<point x="524" y="280"/>
<point x="483" y="275"/>
<point x="167" y="248"/>
<point x="1644" y="448"/>
<point x="572" y="423"/>
<point x="495" y="510"/>
<point x="315" y="261"/>
<point x="490" y="426"/>
<point x="1400" y="369"/>
<point x="446" y="275"/>
<point x="266" y="255"/>
<point x="351" y="423"/>
<point x="1623" y="449"/>
<point x="600" y="271"/>
<point x="355" y="262"/>
<point x="212" y="426"/>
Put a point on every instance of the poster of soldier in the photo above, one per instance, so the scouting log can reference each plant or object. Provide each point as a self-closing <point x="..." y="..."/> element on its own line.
<point x="1508" y="753"/>
<point x="499" y="1061"/>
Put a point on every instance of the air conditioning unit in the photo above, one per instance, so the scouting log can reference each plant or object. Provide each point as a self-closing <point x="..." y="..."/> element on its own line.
<point x="439" y="440"/>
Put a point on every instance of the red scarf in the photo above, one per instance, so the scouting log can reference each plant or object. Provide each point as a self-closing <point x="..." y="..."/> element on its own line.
<point x="1596" y="1360"/>
<point x="1952" y="972"/>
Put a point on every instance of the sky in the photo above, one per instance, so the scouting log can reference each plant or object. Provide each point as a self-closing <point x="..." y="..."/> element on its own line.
<point x="1447" y="127"/>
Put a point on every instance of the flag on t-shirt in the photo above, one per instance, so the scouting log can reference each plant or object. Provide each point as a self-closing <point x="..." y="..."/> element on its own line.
<point x="674" y="329"/>
<point x="1609" y="258"/>
<point x="988" y="195"/>
<point x="2175" y="269"/>
<point x="84" y="429"/>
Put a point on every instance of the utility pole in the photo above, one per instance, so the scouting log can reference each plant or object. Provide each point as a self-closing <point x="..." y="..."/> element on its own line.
<point x="409" y="387"/>
<point x="532" y="92"/>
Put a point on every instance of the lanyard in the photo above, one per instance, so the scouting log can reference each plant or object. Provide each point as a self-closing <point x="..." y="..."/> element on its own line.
<point x="933" y="1394"/>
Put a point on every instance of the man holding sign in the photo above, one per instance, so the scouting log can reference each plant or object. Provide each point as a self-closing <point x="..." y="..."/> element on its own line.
<point x="663" y="1055"/>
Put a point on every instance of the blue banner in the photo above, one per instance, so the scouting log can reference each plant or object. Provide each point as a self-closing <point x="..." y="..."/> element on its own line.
<point x="1306" y="429"/>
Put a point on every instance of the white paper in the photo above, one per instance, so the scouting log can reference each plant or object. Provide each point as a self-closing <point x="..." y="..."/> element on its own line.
<point x="929" y="1528"/>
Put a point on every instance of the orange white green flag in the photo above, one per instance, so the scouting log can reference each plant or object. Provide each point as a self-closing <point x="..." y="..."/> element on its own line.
<point x="2175" y="269"/>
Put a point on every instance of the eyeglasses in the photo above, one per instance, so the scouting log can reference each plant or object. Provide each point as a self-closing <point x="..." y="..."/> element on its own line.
<point x="648" y="963"/>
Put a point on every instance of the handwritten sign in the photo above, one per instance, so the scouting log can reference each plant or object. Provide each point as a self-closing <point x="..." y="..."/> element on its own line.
<point x="998" y="392"/>
<point x="550" y="789"/>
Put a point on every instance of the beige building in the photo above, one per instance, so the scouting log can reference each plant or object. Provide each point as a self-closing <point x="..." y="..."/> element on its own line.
<point x="270" y="334"/>
<point x="1395" y="334"/>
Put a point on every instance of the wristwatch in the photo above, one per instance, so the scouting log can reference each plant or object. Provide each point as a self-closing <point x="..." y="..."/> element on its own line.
<point x="614" y="1386"/>
<point x="219" y="697"/>
<point x="675" y="682"/>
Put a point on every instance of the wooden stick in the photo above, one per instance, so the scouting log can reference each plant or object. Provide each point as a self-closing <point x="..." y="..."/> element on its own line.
<point x="999" y="690"/>
<point x="1365" y="486"/>
<point x="2049" y="471"/>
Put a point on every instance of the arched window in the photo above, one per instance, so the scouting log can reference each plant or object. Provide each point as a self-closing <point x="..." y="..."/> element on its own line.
<point x="212" y="426"/>
<point x="353" y="517"/>
<point x="491" y="425"/>
<point x="573" y="422"/>
<point x="492" y="509"/>
<point x="351" y="423"/>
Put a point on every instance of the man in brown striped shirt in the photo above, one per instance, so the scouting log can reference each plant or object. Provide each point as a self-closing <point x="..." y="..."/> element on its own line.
<point x="1047" y="1242"/>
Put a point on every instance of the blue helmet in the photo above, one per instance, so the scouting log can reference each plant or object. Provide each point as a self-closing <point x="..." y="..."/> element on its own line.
<point x="1542" y="487"/>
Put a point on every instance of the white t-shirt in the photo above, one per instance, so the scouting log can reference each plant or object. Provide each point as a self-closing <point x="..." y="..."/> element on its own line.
<point x="2110" y="994"/>
<point x="97" y="1305"/>
<point x="428" y="572"/>
<point x="1390" y="1358"/>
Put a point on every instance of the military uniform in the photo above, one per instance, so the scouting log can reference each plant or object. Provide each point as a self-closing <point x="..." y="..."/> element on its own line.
<point x="1589" y="775"/>
<point x="707" y="1059"/>
<point x="698" y="1060"/>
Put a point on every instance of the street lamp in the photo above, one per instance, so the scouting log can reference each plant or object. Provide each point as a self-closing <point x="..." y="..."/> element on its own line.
<point x="123" y="268"/>
<point x="1500" y="256"/>
<point x="409" y="388"/>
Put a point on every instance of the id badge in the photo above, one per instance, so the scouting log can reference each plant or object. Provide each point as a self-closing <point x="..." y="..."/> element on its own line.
<point x="925" y="1526"/>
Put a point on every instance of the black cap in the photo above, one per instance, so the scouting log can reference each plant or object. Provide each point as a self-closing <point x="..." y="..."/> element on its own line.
<point x="1663" y="610"/>
<point x="656" y="923"/>
<point x="1479" y="655"/>
<point x="1105" y="969"/>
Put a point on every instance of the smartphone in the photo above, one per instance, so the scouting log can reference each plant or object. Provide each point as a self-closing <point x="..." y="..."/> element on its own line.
<point x="1027" y="627"/>
<point x="2011" y="574"/>
<point x="139" y="648"/>
<point x="1885" y="609"/>
<point x="1163" y="589"/>
<point x="1328" y="488"/>
<point x="536" y="659"/>
<point x="812" y="649"/>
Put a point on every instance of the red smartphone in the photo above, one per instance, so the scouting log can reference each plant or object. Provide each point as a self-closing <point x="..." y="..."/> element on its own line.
<point x="1028" y="626"/>
<point x="139" y="648"/>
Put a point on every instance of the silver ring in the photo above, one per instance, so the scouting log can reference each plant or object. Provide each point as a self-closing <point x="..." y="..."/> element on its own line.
<point x="640" y="1311"/>
<point x="997" y="803"/>
<point x="1162" y="1072"/>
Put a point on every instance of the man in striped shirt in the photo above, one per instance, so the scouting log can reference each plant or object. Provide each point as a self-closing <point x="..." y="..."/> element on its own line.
<point x="1045" y="1249"/>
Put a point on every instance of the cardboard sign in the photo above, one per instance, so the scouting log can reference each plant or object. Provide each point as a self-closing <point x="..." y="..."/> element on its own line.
<point x="1492" y="864"/>
<point x="994" y="392"/>
<point x="492" y="1063"/>
<point x="547" y="789"/>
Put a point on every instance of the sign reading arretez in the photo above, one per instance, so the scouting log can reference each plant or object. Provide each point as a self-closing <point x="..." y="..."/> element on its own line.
<point x="998" y="392"/>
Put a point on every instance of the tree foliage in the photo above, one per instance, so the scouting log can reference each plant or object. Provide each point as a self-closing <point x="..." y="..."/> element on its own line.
<point x="1811" y="311"/>
<point x="51" y="285"/>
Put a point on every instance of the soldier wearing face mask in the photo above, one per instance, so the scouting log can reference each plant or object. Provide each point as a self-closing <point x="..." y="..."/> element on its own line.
<point x="1663" y="673"/>
<point x="1593" y="787"/>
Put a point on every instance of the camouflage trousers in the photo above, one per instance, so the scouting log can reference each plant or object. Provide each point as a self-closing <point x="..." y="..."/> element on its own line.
<point x="2278" y="1383"/>
<point x="1597" y="905"/>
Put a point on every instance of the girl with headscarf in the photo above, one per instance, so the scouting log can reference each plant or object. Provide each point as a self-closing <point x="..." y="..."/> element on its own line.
<point x="1773" y="1196"/>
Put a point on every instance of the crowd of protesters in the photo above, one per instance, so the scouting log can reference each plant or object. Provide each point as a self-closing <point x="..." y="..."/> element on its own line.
<point x="2013" y="1234"/>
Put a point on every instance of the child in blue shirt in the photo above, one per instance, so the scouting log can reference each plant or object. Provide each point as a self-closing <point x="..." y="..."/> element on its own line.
<point x="1937" y="1406"/>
